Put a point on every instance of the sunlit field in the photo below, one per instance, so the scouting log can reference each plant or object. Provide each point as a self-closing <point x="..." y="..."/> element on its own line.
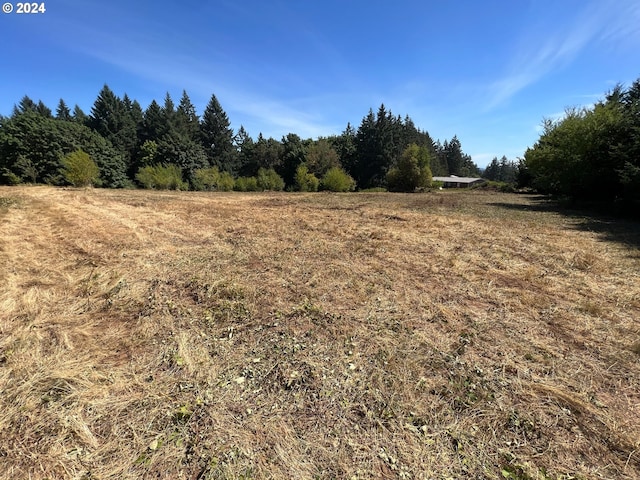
<point x="451" y="334"/>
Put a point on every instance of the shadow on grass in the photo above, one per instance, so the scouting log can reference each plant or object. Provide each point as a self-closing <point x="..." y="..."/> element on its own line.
<point x="608" y="220"/>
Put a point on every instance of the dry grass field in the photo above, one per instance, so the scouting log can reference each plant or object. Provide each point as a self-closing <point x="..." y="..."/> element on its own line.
<point x="247" y="336"/>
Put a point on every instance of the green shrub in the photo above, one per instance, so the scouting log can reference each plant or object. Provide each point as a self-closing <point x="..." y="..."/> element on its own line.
<point x="337" y="180"/>
<point x="247" y="184"/>
<point x="209" y="179"/>
<point x="270" y="180"/>
<point x="79" y="170"/>
<point x="373" y="190"/>
<point x="305" y="181"/>
<point x="161" y="177"/>
<point x="226" y="182"/>
<point x="206" y="179"/>
<point x="7" y="177"/>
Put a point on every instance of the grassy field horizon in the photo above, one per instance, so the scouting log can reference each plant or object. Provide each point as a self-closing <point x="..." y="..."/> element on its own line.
<point x="451" y="334"/>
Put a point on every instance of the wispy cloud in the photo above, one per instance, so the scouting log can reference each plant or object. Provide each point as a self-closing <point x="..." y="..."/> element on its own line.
<point x="600" y="21"/>
<point x="148" y="60"/>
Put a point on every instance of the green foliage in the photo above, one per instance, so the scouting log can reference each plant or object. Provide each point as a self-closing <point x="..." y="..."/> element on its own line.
<point x="411" y="170"/>
<point x="591" y="154"/>
<point x="305" y="181"/>
<point x="226" y="182"/>
<point x="501" y="170"/>
<point x="206" y="179"/>
<point x="337" y="180"/>
<point x="211" y="179"/>
<point x="320" y="157"/>
<point x="79" y="170"/>
<point x="7" y="177"/>
<point x="246" y="184"/>
<point x="217" y="137"/>
<point x="32" y="147"/>
<point x="293" y="155"/>
<point x="161" y="177"/>
<point x="268" y="179"/>
<point x="148" y="153"/>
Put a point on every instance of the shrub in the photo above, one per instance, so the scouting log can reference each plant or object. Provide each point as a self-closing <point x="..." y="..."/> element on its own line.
<point x="161" y="177"/>
<point x="7" y="177"/>
<point x="247" y="184"/>
<point x="205" y="179"/>
<point x="337" y="180"/>
<point x="305" y="181"/>
<point x="212" y="179"/>
<point x="226" y="182"/>
<point x="79" y="170"/>
<point x="270" y="180"/>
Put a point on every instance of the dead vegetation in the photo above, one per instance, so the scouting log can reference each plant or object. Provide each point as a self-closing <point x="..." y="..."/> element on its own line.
<point x="209" y="336"/>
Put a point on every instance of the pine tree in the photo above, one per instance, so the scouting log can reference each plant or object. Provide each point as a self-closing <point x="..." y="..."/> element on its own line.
<point x="217" y="137"/>
<point x="363" y="168"/>
<point x="110" y="117"/>
<point x="187" y="121"/>
<point x="244" y="147"/>
<point x="293" y="155"/>
<point x="153" y="125"/>
<point x="25" y="105"/>
<point x="63" y="112"/>
<point x="345" y="146"/>
<point x="79" y="116"/>
<point x="43" y="110"/>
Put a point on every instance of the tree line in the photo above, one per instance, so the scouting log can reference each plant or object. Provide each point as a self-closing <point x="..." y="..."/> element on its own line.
<point x="591" y="153"/>
<point x="171" y="146"/>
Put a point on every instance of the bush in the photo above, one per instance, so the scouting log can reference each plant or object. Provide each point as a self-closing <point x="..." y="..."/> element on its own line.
<point x="161" y="177"/>
<point x="7" y="177"/>
<point x="305" y="181"/>
<point x="79" y="170"/>
<point x="337" y="180"/>
<point x="210" y="179"/>
<point x="247" y="184"/>
<point x="270" y="180"/>
<point x="226" y="182"/>
<point x="205" y="179"/>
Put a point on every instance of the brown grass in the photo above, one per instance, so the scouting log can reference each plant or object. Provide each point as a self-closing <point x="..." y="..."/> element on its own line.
<point x="185" y="335"/>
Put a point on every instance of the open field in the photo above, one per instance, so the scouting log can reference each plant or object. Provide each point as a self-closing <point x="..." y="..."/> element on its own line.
<point x="212" y="336"/>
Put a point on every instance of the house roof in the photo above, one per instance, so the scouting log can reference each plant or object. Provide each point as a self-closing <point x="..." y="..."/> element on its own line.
<point x="454" y="179"/>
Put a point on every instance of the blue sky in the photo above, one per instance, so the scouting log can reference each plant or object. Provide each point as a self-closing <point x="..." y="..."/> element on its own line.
<point x="487" y="71"/>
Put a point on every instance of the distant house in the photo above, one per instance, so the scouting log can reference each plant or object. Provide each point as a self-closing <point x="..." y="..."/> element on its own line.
<point x="453" y="181"/>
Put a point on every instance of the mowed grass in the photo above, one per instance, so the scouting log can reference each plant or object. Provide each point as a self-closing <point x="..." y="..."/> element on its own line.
<point x="217" y="336"/>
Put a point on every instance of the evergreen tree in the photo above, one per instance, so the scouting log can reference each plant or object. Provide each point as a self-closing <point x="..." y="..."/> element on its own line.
<point x="43" y="110"/>
<point x="32" y="147"/>
<point x="244" y="146"/>
<point x="110" y="117"/>
<point x="187" y="121"/>
<point x="363" y="168"/>
<point x="217" y="137"/>
<point x="79" y="116"/>
<point x="25" y="105"/>
<point x="345" y="146"/>
<point x="153" y="125"/>
<point x="63" y="112"/>
<point x="293" y="155"/>
<point x="169" y="114"/>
